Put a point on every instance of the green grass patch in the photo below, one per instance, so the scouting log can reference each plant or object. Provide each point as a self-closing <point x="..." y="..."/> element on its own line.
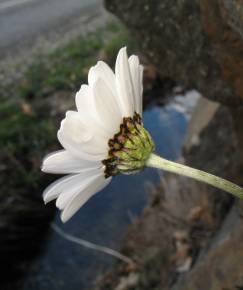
<point x="67" y="67"/>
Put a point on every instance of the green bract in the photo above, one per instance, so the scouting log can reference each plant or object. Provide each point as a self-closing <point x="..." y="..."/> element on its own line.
<point x="130" y="148"/>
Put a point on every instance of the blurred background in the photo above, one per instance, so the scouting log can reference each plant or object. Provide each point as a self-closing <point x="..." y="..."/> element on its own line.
<point x="180" y="234"/>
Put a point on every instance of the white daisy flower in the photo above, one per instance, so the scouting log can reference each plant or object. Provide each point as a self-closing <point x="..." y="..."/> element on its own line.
<point x="101" y="138"/>
<point x="105" y="137"/>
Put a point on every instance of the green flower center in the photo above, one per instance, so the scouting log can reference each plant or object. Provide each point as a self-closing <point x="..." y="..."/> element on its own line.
<point x="129" y="149"/>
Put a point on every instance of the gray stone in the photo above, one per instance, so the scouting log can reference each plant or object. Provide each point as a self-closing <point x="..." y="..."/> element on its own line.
<point x="219" y="266"/>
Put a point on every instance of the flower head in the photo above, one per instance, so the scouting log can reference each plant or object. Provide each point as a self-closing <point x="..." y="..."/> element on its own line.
<point x="103" y="138"/>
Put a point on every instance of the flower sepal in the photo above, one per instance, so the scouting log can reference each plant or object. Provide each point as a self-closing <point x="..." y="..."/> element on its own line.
<point x="129" y="149"/>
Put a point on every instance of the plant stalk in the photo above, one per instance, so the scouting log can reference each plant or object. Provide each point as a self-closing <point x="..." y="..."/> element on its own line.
<point x="161" y="163"/>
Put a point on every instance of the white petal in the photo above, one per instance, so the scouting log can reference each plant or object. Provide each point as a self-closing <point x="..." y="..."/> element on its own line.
<point x="85" y="101"/>
<point x="68" y="182"/>
<point x="136" y="75"/>
<point x="63" y="162"/>
<point x="86" y="179"/>
<point x="106" y="107"/>
<point x="124" y="84"/>
<point x="102" y="71"/>
<point x="81" y="198"/>
<point x="67" y="197"/>
<point x="55" y="188"/>
<point x="141" y="85"/>
<point x="87" y="109"/>
<point x="83" y="140"/>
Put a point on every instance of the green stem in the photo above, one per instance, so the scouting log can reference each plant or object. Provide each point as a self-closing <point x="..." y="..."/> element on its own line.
<point x="161" y="163"/>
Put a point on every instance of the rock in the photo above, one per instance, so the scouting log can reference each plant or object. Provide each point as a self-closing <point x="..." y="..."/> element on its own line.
<point x="128" y="282"/>
<point x="197" y="43"/>
<point x="221" y="263"/>
<point x="203" y="114"/>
